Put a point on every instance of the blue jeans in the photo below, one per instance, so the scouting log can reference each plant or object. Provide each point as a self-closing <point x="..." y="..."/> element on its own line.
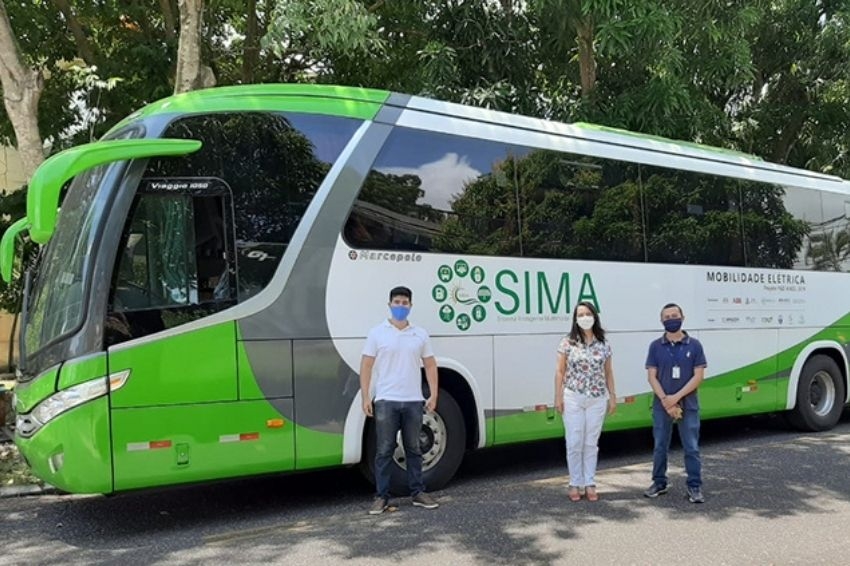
<point x="662" y="433"/>
<point x="390" y="416"/>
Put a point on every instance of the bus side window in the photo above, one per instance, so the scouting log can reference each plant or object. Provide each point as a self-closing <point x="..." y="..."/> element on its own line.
<point x="174" y="265"/>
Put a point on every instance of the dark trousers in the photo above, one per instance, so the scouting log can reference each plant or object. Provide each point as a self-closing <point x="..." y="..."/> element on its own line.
<point x="390" y="417"/>
<point x="662" y="433"/>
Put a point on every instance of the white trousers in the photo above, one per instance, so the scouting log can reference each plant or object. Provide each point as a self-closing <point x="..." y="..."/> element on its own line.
<point x="583" y="418"/>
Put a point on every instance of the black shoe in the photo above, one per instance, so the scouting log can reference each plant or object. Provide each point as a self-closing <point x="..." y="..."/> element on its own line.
<point x="695" y="495"/>
<point x="655" y="490"/>
<point x="379" y="506"/>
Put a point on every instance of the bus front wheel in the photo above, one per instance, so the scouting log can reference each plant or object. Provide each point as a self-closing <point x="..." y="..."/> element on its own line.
<point x="442" y="441"/>
<point x="820" y="395"/>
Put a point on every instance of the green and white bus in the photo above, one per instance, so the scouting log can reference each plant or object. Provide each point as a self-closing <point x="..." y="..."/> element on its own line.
<point x="204" y="291"/>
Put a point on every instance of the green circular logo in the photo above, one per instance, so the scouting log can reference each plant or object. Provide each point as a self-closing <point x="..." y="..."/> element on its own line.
<point x="444" y="273"/>
<point x="479" y="313"/>
<point x="439" y="293"/>
<point x="461" y="268"/>
<point x="461" y="300"/>
<point x="447" y="313"/>
<point x="477" y="274"/>
<point x="484" y="294"/>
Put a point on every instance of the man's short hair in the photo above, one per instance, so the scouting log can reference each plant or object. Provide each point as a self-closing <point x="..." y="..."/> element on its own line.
<point x="672" y="305"/>
<point x="401" y="291"/>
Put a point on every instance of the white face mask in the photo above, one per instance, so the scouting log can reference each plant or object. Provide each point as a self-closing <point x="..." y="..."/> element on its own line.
<point x="585" y="322"/>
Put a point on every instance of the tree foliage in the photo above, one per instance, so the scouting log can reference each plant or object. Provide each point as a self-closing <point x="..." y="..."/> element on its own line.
<point x="768" y="78"/>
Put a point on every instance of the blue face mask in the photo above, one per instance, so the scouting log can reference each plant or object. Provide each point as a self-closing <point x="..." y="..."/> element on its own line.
<point x="672" y="324"/>
<point x="400" y="312"/>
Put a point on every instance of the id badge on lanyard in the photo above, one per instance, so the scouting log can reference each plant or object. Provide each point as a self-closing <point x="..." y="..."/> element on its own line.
<point x="677" y="371"/>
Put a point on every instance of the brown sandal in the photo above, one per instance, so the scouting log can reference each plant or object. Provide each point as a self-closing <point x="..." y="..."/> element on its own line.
<point x="574" y="494"/>
<point x="590" y="491"/>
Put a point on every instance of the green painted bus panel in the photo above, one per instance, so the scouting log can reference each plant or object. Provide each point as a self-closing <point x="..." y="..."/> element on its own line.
<point x="747" y="390"/>
<point x="159" y="446"/>
<point x="536" y="425"/>
<point x="7" y="247"/>
<point x="348" y="102"/>
<point x="51" y="176"/>
<point x="490" y="427"/>
<point x="31" y="393"/>
<point x="77" y="371"/>
<point x="527" y="425"/>
<point x="198" y="366"/>
<point x="317" y="449"/>
<point x="72" y="451"/>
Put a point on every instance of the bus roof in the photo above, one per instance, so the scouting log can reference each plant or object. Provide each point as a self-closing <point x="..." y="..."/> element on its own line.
<point x="364" y="103"/>
<point x="322" y="99"/>
<point x="608" y="135"/>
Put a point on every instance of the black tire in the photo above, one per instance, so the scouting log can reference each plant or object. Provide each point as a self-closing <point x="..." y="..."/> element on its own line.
<point x="443" y="467"/>
<point x="820" y="395"/>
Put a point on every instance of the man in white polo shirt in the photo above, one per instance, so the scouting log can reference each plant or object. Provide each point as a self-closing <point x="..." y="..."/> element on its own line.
<point x="393" y="352"/>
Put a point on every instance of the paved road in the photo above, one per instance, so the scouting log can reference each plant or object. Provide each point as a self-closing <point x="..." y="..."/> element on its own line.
<point x="774" y="497"/>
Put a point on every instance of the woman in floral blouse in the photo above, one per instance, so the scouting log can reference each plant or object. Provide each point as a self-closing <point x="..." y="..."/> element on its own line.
<point x="584" y="389"/>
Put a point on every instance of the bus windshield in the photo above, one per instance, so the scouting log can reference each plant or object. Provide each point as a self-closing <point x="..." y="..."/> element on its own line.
<point x="58" y="295"/>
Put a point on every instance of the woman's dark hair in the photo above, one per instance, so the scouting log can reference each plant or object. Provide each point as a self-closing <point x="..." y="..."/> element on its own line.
<point x="576" y="333"/>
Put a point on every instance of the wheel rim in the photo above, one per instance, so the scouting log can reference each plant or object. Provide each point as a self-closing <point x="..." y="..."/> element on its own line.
<point x="432" y="442"/>
<point x="822" y="393"/>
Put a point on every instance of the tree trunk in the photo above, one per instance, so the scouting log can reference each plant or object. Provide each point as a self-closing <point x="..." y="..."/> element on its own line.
<point x="251" y="53"/>
<point x="586" y="56"/>
<point x="22" y="88"/>
<point x="168" y="18"/>
<point x="785" y="142"/>
<point x="84" y="49"/>
<point x="191" y="74"/>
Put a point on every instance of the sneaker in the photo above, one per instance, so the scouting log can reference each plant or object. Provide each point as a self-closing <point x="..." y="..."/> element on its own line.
<point x="378" y="506"/>
<point x="655" y="490"/>
<point x="424" y="500"/>
<point x="695" y="495"/>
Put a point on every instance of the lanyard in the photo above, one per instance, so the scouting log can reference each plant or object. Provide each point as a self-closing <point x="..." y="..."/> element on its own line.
<point x="680" y="352"/>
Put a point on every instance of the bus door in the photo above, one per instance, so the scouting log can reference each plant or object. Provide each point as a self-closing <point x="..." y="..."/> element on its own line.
<point x="176" y="415"/>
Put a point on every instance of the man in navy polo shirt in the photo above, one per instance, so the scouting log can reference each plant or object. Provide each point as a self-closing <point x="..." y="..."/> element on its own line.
<point x="675" y="368"/>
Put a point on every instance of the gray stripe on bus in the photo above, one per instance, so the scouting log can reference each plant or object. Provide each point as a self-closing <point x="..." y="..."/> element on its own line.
<point x="324" y="383"/>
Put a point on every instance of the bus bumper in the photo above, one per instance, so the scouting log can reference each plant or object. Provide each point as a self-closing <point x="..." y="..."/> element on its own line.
<point x="72" y="451"/>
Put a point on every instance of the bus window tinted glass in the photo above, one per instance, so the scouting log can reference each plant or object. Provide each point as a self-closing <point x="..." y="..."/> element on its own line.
<point x="692" y="218"/>
<point x="273" y="163"/>
<point x="777" y="221"/>
<point x="583" y="207"/>
<point x="443" y="193"/>
<point x="430" y="191"/>
<point x="828" y="245"/>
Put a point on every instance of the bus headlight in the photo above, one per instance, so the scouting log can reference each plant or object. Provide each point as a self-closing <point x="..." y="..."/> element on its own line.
<point x="57" y="404"/>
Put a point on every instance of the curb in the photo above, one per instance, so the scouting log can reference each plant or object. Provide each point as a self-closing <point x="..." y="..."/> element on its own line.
<point x="25" y="490"/>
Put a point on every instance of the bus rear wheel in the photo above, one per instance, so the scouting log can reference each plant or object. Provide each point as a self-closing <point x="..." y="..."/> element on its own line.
<point x="820" y="395"/>
<point x="442" y="440"/>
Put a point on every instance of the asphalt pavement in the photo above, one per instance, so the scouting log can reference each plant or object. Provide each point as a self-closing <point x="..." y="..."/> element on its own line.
<point x="774" y="496"/>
